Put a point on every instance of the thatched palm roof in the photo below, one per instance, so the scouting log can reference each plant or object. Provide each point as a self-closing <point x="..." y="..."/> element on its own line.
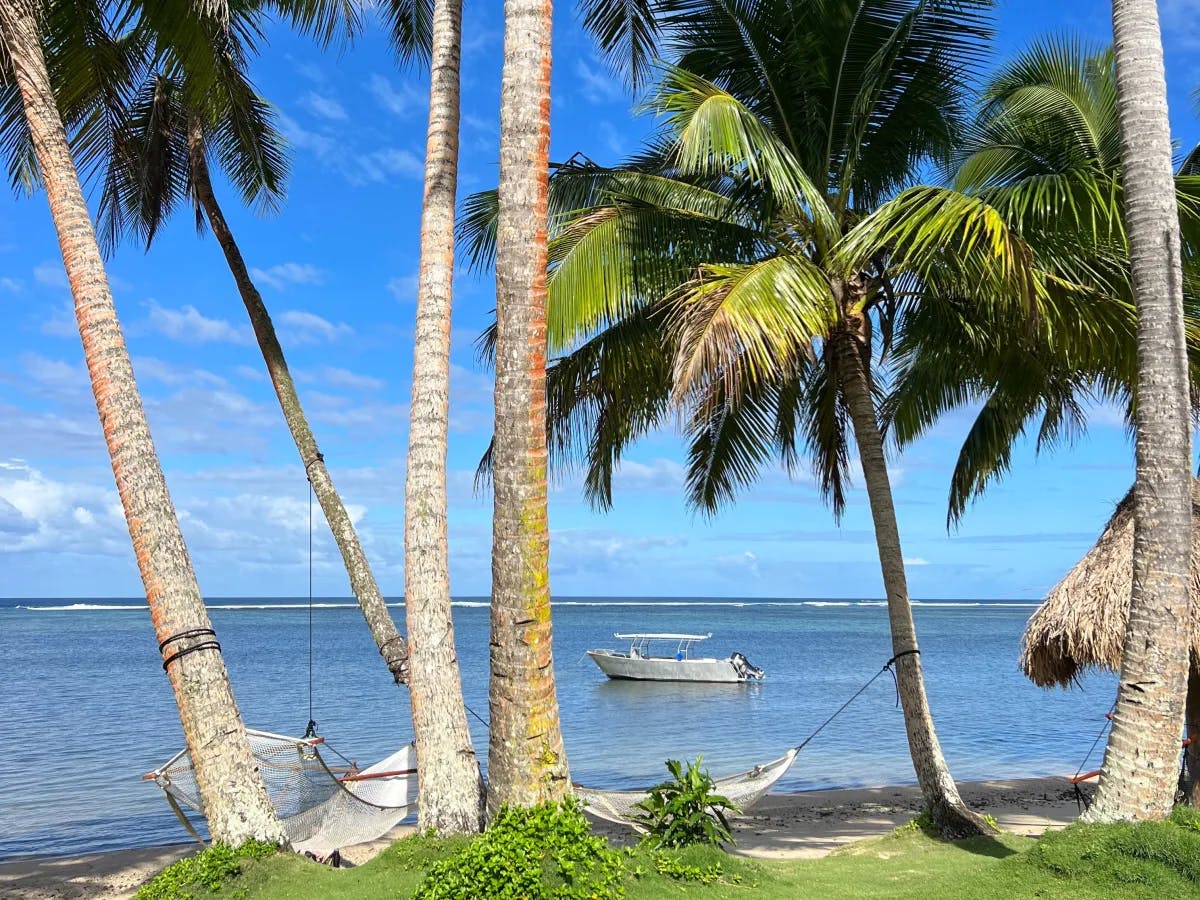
<point x="1081" y="623"/>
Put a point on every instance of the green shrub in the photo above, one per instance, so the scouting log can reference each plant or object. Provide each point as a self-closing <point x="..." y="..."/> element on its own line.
<point x="544" y="853"/>
<point x="671" y="865"/>
<point x="684" y="810"/>
<point x="205" y="872"/>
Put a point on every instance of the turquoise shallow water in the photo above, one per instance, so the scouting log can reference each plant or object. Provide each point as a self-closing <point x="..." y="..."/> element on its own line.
<point x="85" y="709"/>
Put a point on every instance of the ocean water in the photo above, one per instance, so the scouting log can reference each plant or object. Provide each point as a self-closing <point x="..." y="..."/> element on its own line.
<point x="85" y="708"/>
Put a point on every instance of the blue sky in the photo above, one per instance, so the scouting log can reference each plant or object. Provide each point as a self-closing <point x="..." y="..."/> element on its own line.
<point x="337" y="267"/>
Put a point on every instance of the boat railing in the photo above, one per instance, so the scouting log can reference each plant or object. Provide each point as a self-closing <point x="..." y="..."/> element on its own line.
<point x="639" y="644"/>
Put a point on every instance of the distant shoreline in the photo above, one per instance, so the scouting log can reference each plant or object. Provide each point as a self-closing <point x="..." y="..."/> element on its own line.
<point x="564" y="598"/>
<point x="803" y="825"/>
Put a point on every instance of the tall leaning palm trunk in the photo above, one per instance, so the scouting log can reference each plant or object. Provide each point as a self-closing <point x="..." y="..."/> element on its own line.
<point x="235" y="801"/>
<point x="526" y="759"/>
<point x="1137" y="780"/>
<point x="362" y="581"/>
<point x="852" y="358"/>
<point x="451" y="786"/>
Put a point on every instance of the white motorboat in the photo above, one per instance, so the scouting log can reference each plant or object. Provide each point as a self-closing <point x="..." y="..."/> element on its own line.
<point x="641" y="663"/>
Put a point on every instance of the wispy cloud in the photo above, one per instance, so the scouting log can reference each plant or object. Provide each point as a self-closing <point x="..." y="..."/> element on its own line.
<point x="404" y="287"/>
<point x="596" y="85"/>
<point x="188" y="325"/>
<point x="305" y="327"/>
<point x="403" y="101"/>
<point x="359" y="167"/>
<point x="284" y="275"/>
<point x="11" y="285"/>
<point x="325" y="107"/>
<point x="50" y="274"/>
<point x="331" y="376"/>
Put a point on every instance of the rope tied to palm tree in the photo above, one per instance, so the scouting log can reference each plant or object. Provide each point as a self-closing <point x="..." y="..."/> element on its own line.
<point x="887" y="667"/>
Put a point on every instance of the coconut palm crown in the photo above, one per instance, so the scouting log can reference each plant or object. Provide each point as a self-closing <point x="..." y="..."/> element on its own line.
<point x="1044" y="156"/>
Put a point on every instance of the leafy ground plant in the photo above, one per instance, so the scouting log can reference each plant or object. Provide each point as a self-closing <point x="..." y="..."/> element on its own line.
<point x="685" y="810"/>
<point x="203" y="873"/>
<point x="544" y="853"/>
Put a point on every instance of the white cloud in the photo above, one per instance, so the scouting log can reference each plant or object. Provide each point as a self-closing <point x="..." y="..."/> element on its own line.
<point x="306" y="328"/>
<point x="587" y="551"/>
<point x="403" y="102"/>
<point x="250" y="373"/>
<point x="61" y="322"/>
<point x="479" y="123"/>
<point x="596" y="85"/>
<point x="54" y="372"/>
<point x="404" y="287"/>
<point x="656" y="475"/>
<point x="607" y="132"/>
<point x="915" y="561"/>
<point x="11" y="285"/>
<point x="39" y="513"/>
<point x="50" y="274"/>
<point x="188" y="325"/>
<point x="151" y="369"/>
<point x="335" y="377"/>
<point x="1179" y="23"/>
<point x="284" y="275"/>
<point x="325" y="107"/>
<point x="358" y="166"/>
<point x="1106" y="415"/>
<point x="739" y="565"/>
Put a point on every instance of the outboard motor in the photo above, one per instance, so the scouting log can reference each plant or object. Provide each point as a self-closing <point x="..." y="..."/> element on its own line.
<point x="742" y="666"/>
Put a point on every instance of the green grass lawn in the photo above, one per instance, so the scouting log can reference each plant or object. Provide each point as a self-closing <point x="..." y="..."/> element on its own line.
<point x="1082" y="863"/>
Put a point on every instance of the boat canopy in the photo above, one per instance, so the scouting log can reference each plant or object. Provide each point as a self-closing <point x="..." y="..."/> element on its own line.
<point x="663" y="637"/>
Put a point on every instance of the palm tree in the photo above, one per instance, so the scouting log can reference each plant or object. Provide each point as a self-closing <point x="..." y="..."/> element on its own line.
<point x="1047" y="156"/>
<point x="705" y="276"/>
<point x="235" y="800"/>
<point x="1043" y="154"/>
<point x="451" y="785"/>
<point x="1137" y="780"/>
<point x="172" y="127"/>
<point x="170" y="137"/>
<point x="526" y="759"/>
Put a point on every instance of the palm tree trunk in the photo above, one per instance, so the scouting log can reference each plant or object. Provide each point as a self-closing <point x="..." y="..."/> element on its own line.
<point x="235" y="801"/>
<point x="1192" y="732"/>
<point x="451" y="786"/>
<point x="1138" y="777"/>
<point x="391" y="644"/>
<point x="943" y="802"/>
<point x="526" y="759"/>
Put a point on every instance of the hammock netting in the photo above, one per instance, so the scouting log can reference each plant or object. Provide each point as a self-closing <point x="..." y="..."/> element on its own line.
<point x="321" y="809"/>
<point x="742" y="790"/>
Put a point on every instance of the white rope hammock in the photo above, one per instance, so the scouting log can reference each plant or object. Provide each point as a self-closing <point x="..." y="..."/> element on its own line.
<point x="321" y="809"/>
<point x="742" y="790"/>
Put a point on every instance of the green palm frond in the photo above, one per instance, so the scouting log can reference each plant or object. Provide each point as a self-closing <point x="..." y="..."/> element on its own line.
<point x="812" y="422"/>
<point x="901" y="91"/>
<point x="331" y="21"/>
<point x="945" y="236"/>
<point x="612" y="259"/>
<point x="1057" y="98"/>
<point x="715" y="133"/>
<point x="150" y="172"/>
<point x="729" y="439"/>
<point x="737" y="323"/>
<point x="410" y="24"/>
<point x="629" y="33"/>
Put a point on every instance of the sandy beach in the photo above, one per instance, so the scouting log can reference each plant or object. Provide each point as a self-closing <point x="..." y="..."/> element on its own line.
<point x="796" y="826"/>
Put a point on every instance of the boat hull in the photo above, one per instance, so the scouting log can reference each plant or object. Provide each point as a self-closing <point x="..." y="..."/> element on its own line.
<point x="625" y="668"/>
